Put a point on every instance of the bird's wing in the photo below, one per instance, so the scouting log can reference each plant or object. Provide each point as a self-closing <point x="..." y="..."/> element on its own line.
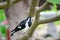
<point x="23" y="22"/>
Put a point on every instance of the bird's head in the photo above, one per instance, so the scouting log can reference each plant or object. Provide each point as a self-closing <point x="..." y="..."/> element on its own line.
<point x="28" y="18"/>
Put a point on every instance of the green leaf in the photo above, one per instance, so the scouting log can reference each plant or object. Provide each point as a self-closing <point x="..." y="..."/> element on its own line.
<point x="54" y="7"/>
<point x="54" y="1"/>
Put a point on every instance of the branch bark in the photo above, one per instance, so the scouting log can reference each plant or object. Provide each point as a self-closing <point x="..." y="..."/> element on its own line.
<point x="56" y="18"/>
<point x="3" y="5"/>
<point x="45" y="5"/>
<point x="34" y="3"/>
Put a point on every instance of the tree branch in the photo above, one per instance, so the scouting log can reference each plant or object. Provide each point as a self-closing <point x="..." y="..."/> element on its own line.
<point x="8" y="3"/>
<point x="56" y="18"/>
<point x="4" y="4"/>
<point x="45" y="5"/>
<point x="34" y="3"/>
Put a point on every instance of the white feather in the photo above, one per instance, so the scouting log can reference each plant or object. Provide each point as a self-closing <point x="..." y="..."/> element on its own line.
<point x="27" y="27"/>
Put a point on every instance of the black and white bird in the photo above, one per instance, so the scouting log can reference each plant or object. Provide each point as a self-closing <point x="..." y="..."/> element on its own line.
<point x="24" y="25"/>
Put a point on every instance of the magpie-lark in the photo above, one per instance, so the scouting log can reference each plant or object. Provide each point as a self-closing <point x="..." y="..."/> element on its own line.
<point x="23" y="25"/>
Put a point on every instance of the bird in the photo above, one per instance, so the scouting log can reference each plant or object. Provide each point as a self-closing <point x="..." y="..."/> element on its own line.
<point x="23" y="25"/>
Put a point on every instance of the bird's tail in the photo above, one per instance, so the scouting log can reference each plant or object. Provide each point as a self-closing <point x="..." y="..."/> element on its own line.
<point x="12" y="32"/>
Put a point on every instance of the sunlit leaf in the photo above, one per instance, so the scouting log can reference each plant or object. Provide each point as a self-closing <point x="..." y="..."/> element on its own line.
<point x="54" y="1"/>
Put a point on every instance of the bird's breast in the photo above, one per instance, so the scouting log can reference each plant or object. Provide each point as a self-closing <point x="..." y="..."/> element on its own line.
<point x="26" y="27"/>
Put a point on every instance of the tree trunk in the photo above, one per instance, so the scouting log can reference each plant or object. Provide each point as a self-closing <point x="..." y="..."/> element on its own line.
<point x="15" y="14"/>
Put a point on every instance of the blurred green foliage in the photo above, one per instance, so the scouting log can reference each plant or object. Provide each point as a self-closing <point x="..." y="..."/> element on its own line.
<point x="2" y="27"/>
<point x="54" y="1"/>
<point x="2" y="15"/>
<point x="3" y="30"/>
<point x="57" y="22"/>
